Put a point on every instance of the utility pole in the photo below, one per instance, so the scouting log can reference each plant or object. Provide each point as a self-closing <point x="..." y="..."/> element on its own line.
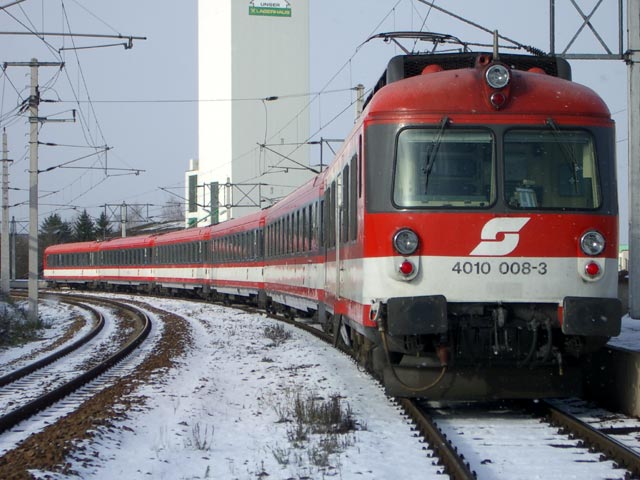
<point x="633" y="61"/>
<point x="12" y="237"/>
<point x="123" y="219"/>
<point x="34" y="122"/>
<point x="215" y="203"/>
<point x="34" y="101"/>
<point x="5" y="284"/>
<point x="359" y="101"/>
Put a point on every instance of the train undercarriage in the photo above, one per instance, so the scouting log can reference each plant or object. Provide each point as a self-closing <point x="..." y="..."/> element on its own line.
<point x="482" y="352"/>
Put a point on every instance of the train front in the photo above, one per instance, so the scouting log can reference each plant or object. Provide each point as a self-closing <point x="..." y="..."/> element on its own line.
<point x="492" y="199"/>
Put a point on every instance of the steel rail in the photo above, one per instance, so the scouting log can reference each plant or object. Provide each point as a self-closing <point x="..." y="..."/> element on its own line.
<point x="58" y="354"/>
<point x="454" y="464"/>
<point x="24" y="412"/>
<point x="624" y="456"/>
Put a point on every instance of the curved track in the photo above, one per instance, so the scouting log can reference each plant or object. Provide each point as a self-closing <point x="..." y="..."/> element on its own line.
<point x="58" y="354"/>
<point x="29" y="409"/>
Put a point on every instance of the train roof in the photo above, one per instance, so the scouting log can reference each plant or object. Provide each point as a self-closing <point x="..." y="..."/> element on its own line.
<point x="401" y="67"/>
<point x="244" y="223"/>
<point x="74" y="247"/>
<point x="139" y="241"/>
<point x="531" y="92"/>
<point x="187" y="235"/>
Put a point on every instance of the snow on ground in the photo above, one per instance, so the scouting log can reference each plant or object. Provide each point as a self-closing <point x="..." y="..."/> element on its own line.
<point x="56" y="318"/>
<point x="226" y="411"/>
<point x="629" y="337"/>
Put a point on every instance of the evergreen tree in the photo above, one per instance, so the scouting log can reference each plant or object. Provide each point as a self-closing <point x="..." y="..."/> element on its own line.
<point x="53" y="231"/>
<point x="84" y="229"/>
<point x="103" y="227"/>
<point x="66" y="232"/>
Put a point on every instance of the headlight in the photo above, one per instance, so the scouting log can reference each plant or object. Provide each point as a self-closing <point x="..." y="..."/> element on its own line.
<point x="592" y="243"/>
<point x="405" y="241"/>
<point x="498" y="76"/>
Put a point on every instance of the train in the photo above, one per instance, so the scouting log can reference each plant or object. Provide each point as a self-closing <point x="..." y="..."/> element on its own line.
<point x="462" y="244"/>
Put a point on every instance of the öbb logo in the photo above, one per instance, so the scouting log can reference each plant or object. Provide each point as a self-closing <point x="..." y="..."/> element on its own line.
<point x="490" y="245"/>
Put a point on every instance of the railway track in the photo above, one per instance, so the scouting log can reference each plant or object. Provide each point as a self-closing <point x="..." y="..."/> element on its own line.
<point x="529" y="440"/>
<point x="59" y="353"/>
<point x="601" y="439"/>
<point x="457" y="465"/>
<point x="467" y="461"/>
<point x="453" y="462"/>
<point x="20" y="383"/>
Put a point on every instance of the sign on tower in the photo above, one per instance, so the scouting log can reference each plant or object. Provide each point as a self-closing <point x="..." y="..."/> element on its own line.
<point x="270" y="8"/>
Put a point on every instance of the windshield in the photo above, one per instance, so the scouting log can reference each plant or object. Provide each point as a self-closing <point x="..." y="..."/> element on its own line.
<point x="550" y="169"/>
<point x="437" y="167"/>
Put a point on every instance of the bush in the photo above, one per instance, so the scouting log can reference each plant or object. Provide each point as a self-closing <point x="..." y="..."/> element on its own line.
<point x="318" y="427"/>
<point x="15" y="327"/>
<point x="324" y="417"/>
<point x="277" y="334"/>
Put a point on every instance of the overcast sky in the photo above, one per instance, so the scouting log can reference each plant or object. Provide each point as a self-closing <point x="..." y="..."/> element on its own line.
<point x="144" y="99"/>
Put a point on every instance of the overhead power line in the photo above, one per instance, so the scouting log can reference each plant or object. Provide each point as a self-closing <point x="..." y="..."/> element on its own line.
<point x="211" y="100"/>
<point x="129" y="38"/>
<point x="528" y="48"/>
<point x="11" y="4"/>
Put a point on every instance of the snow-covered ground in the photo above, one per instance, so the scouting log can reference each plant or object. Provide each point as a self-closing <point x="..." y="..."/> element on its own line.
<point x="226" y="411"/>
<point x="56" y="318"/>
<point x="629" y="337"/>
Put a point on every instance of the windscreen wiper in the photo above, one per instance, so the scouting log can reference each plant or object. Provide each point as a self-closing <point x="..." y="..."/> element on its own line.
<point x="432" y="153"/>
<point x="568" y="153"/>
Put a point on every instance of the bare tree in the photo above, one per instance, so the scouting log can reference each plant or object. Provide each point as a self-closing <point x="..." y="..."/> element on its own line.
<point x="137" y="214"/>
<point x="173" y="210"/>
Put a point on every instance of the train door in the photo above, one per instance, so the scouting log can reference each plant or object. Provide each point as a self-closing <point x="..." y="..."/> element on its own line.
<point x="346" y="227"/>
<point x="339" y="220"/>
<point x="329" y="235"/>
<point x="340" y="227"/>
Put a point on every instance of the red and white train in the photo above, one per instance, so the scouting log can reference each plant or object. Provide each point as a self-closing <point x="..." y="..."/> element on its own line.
<point x="463" y="242"/>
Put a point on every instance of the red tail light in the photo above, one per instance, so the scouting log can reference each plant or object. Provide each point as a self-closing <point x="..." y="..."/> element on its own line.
<point x="406" y="268"/>
<point x="592" y="269"/>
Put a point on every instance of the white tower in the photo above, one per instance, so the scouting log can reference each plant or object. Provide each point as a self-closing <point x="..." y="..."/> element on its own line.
<point x="253" y="73"/>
